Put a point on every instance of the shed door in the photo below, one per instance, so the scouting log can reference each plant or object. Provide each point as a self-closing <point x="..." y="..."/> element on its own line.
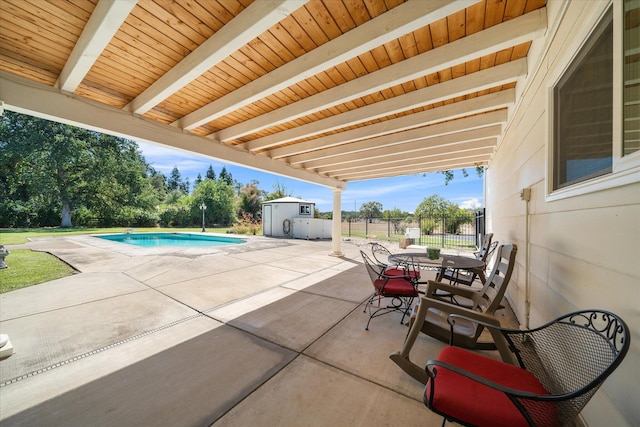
<point x="266" y="221"/>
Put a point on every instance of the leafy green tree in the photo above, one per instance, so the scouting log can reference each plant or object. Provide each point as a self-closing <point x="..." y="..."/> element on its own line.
<point x="158" y="182"/>
<point x="432" y="206"/>
<point x="175" y="180"/>
<point x="371" y="209"/>
<point x="219" y="198"/>
<point x="435" y="207"/>
<point x="396" y="217"/>
<point x="50" y="169"/>
<point x="448" y="175"/>
<point x="197" y="181"/>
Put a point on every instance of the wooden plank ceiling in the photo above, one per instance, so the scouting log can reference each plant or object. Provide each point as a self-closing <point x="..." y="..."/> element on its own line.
<point x="341" y="90"/>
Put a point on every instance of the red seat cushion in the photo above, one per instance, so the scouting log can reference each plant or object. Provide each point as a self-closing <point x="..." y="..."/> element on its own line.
<point x="400" y="287"/>
<point x="474" y="403"/>
<point x="400" y="272"/>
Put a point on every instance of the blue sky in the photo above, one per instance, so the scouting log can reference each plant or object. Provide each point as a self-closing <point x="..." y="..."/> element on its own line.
<point x="404" y="192"/>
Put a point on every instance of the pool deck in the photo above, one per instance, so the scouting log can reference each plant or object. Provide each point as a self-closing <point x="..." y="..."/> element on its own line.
<point x="269" y="333"/>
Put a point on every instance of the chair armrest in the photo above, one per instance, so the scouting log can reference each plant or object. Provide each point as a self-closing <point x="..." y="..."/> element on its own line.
<point x="498" y="333"/>
<point x="433" y="286"/>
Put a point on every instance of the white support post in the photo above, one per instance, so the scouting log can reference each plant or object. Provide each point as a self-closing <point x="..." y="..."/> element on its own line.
<point x="336" y="225"/>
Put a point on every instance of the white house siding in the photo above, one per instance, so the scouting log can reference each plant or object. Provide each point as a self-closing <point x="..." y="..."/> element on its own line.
<point x="584" y="251"/>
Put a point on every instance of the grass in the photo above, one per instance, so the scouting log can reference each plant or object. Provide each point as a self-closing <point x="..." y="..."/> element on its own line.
<point x="28" y="268"/>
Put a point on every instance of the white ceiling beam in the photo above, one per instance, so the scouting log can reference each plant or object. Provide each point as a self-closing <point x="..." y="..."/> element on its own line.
<point x="451" y="151"/>
<point x="334" y="155"/>
<point x="104" y="22"/>
<point x="416" y="169"/>
<point x="27" y="97"/>
<point x="481" y="104"/>
<point x="249" y="24"/>
<point x="498" y="37"/>
<point x="388" y="26"/>
<point x="387" y="163"/>
<point x="471" y="83"/>
<point x="416" y="145"/>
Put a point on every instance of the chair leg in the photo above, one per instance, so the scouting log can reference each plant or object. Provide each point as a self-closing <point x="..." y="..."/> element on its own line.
<point x="401" y="358"/>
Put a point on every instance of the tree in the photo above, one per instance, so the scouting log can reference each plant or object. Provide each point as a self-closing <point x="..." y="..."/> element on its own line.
<point x="175" y="180"/>
<point x="225" y="176"/>
<point x="197" y="181"/>
<point x="279" y="191"/>
<point x="219" y="198"/>
<point x="432" y="206"/>
<point x="396" y="217"/>
<point x="49" y="169"/>
<point x="51" y="172"/>
<point x="371" y="209"/>
<point x="249" y="200"/>
<point x="210" y="174"/>
<point x="448" y="175"/>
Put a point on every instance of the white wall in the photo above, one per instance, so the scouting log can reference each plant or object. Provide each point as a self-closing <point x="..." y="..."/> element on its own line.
<point x="583" y="251"/>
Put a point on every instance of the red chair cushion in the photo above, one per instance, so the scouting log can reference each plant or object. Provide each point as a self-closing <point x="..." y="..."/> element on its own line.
<point x="401" y="272"/>
<point x="477" y="404"/>
<point x="400" y="287"/>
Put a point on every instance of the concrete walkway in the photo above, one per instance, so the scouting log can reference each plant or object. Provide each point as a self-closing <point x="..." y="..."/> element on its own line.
<point x="269" y="333"/>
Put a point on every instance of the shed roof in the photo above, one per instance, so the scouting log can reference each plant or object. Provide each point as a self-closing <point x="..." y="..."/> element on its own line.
<point x="288" y="199"/>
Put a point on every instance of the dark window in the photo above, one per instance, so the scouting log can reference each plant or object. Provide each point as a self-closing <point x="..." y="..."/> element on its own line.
<point x="583" y="111"/>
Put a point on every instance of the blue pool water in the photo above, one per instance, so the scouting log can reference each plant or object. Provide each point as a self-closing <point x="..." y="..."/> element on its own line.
<point x="149" y="240"/>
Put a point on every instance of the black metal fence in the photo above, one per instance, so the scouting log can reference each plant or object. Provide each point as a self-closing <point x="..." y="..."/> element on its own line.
<point x="461" y="231"/>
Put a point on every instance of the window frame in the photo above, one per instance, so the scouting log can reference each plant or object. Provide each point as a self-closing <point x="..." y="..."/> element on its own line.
<point x="625" y="169"/>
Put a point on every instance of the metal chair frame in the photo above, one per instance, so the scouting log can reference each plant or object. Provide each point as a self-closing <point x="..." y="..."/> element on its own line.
<point x="400" y="288"/>
<point x="570" y="356"/>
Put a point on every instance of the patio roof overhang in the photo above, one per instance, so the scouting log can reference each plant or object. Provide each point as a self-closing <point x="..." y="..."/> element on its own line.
<point x="322" y="91"/>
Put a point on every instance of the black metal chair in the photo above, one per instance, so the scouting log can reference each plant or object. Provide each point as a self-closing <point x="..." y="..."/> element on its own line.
<point x="381" y="255"/>
<point x="400" y="288"/>
<point x="467" y="277"/>
<point x="547" y="376"/>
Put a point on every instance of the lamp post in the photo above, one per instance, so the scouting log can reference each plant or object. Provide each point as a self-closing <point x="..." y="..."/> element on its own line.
<point x="203" y="207"/>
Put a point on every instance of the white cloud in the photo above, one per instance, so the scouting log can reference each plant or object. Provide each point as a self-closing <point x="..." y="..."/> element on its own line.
<point x="470" y="204"/>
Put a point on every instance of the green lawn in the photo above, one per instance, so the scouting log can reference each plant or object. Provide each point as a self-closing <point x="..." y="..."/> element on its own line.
<point x="28" y="268"/>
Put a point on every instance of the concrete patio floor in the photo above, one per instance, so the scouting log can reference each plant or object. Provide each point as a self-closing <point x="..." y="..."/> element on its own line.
<point x="269" y="333"/>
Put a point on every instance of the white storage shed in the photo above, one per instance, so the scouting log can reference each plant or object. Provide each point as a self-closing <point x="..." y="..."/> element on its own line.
<point x="293" y="217"/>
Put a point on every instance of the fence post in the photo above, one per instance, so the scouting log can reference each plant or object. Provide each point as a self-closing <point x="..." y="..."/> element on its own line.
<point x="443" y="230"/>
<point x="366" y="227"/>
<point x="389" y="228"/>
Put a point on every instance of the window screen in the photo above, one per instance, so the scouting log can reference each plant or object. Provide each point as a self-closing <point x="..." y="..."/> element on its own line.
<point x="631" y="45"/>
<point x="583" y="111"/>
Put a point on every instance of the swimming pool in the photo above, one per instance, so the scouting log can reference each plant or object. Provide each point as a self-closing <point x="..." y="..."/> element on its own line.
<point x="149" y="240"/>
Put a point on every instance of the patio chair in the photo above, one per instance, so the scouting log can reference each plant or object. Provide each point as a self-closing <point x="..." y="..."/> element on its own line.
<point x="547" y="376"/>
<point x="381" y="255"/>
<point x="401" y="289"/>
<point x="433" y="311"/>
<point x="467" y="277"/>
